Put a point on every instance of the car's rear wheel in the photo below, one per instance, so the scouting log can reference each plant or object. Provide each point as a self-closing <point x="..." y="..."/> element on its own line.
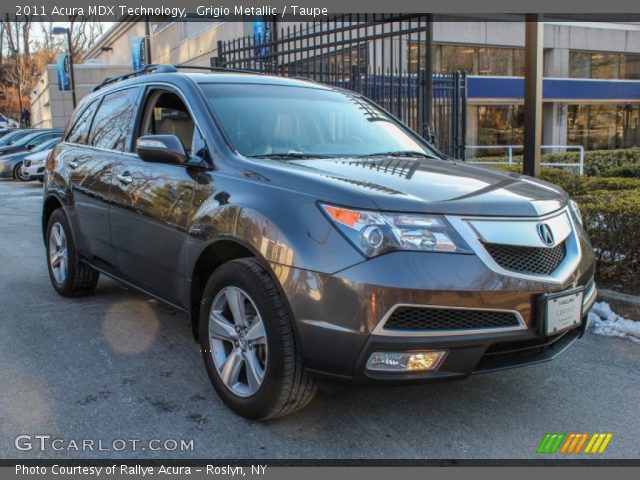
<point x="248" y="344"/>
<point x="69" y="276"/>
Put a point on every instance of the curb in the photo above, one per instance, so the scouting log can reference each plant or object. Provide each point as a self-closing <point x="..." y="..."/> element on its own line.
<point x="622" y="303"/>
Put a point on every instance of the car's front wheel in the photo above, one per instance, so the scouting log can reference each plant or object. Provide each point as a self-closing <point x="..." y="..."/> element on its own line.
<point x="248" y="344"/>
<point x="18" y="174"/>
<point x="69" y="276"/>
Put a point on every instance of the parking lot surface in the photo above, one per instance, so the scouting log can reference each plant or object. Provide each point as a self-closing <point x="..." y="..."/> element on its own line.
<point x="118" y="365"/>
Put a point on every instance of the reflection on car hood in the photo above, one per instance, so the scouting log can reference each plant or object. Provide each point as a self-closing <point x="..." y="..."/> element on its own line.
<point x="39" y="156"/>
<point x="437" y="186"/>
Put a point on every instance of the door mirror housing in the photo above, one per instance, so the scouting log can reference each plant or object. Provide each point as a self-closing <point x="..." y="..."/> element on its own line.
<point x="161" y="149"/>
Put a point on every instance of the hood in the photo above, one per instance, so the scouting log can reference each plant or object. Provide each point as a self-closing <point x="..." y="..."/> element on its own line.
<point x="38" y="156"/>
<point x="436" y="186"/>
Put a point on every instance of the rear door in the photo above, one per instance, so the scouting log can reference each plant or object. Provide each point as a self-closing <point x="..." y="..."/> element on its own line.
<point x="101" y="137"/>
<point x="152" y="201"/>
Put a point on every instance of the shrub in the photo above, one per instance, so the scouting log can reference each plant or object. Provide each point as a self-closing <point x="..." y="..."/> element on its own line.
<point x="612" y="219"/>
<point x="628" y="171"/>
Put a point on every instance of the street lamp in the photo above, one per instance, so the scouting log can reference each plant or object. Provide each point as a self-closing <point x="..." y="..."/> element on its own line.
<point x="67" y="32"/>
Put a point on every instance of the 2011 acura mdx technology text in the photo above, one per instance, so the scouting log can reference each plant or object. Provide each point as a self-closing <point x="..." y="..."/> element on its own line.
<point x="310" y="235"/>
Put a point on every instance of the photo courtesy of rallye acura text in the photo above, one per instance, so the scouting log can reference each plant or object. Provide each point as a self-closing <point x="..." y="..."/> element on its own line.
<point x="310" y="235"/>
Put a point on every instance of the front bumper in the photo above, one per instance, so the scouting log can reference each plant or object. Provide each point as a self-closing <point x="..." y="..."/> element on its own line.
<point x="338" y="316"/>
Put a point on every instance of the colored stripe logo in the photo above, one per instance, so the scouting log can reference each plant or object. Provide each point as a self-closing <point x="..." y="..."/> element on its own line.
<point x="568" y="443"/>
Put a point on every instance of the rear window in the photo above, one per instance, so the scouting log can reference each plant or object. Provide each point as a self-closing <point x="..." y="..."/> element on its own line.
<point x="111" y="128"/>
<point x="79" y="133"/>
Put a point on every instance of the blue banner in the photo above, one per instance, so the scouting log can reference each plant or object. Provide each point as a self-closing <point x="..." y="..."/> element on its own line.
<point x="138" y="53"/>
<point x="62" y="67"/>
<point x="261" y="36"/>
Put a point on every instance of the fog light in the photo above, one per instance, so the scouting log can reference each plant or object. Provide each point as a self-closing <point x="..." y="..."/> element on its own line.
<point x="405" y="361"/>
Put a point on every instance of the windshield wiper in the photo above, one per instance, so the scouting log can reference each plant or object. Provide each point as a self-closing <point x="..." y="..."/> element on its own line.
<point x="292" y="155"/>
<point x="400" y="153"/>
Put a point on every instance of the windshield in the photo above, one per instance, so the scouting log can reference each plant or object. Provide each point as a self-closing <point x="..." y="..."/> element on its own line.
<point x="48" y="145"/>
<point x="274" y="120"/>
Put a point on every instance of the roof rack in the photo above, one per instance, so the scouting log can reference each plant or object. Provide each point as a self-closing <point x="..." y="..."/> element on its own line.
<point x="136" y="73"/>
<point x="218" y="69"/>
<point x="160" y="68"/>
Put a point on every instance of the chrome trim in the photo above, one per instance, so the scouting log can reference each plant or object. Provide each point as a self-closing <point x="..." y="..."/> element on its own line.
<point x="465" y="227"/>
<point x="389" y="332"/>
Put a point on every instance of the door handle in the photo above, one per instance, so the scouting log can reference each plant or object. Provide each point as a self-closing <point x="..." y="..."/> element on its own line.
<point x="73" y="164"/>
<point x="125" y="178"/>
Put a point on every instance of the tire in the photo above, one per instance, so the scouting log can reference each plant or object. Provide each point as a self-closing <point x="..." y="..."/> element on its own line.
<point x="284" y="386"/>
<point x="16" y="171"/>
<point x="78" y="279"/>
<point x="20" y="175"/>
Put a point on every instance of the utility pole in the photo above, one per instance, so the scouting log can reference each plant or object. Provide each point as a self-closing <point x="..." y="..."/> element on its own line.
<point x="533" y="65"/>
<point x="18" y="68"/>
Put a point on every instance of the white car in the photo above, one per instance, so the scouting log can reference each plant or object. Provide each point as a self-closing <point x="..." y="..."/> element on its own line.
<point x="33" y="164"/>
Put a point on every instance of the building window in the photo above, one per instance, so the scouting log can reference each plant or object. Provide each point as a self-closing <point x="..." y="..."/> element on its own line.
<point x="603" y="127"/>
<point x="604" y="65"/>
<point x="468" y="58"/>
<point x="494" y="125"/>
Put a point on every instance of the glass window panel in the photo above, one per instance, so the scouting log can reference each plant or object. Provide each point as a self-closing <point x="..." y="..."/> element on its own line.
<point x="459" y="57"/>
<point x="518" y="62"/>
<point x="579" y="64"/>
<point x="602" y="127"/>
<point x="111" y="128"/>
<point x="605" y="65"/>
<point x="630" y="67"/>
<point x="80" y="131"/>
<point x="495" y="61"/>
<point x="627" y="128"/>
<point x="577" y="125"/>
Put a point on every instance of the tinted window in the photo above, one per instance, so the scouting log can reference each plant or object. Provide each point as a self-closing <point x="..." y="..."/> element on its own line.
<point x="80" y="131"/>
<point x="111" y="127"/>
<point x="41" y="139"/>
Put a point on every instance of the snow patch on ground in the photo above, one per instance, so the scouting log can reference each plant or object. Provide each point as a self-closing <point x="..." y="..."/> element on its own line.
<point x="606" y="322"/>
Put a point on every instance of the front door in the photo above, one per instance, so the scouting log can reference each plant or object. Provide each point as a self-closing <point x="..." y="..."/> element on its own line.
<point x="151" y="203"/>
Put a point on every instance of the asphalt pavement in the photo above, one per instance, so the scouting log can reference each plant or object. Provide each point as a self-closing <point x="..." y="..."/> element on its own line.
<point x="121" y="366"/>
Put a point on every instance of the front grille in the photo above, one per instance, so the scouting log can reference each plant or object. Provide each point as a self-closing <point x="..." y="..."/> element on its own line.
<point x="541" y="261"/>
<point x="425" y="318"/>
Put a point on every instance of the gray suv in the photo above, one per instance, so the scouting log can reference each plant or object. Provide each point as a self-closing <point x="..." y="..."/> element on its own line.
<point x="310" y="235"/>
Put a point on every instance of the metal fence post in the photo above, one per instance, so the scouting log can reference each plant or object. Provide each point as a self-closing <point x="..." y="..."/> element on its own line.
<point x="354" y="81"/>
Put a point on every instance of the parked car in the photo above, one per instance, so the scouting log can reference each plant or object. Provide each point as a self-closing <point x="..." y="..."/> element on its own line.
<point x="29" y="165"/>
<point x="4" y="131"/>
<point x="30" y="141"/>
<point x="6" y="122"/>
<point x="11" y="163"/>
<point x="309" y="234"/>
<point x="14" y="135"/>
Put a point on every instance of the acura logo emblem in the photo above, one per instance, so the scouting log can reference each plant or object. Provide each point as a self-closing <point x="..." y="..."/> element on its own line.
<point x="546" y="235"/>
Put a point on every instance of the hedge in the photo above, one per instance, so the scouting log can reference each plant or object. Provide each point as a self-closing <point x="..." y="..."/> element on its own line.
<point x="595" y="161"/>
<point x="628" y="171"/>
<point x="612" y="219"/>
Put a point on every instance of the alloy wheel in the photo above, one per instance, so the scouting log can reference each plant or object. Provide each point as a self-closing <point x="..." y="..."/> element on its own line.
<point x="238" y="341"/>
<point x="58" y="253"/>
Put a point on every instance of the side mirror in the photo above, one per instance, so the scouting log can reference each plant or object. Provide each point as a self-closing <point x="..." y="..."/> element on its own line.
<point x="161" y="149"/>
<point x="30" y="146"/>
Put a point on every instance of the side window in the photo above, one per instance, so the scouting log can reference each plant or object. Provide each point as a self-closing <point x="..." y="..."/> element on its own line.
<point x="79" y="133"/>
<point x="166" y="114"/>
<point x="112" y="127"/>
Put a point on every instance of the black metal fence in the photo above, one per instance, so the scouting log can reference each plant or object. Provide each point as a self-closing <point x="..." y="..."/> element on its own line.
<point x="383" y="57"/>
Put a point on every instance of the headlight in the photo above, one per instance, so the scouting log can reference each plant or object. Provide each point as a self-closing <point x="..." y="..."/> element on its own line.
<point x="576" y="211"/>
<point x="374" y="233"/>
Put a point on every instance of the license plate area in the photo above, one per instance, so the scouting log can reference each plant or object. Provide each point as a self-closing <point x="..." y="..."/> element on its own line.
<point x="561" y="311"/>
